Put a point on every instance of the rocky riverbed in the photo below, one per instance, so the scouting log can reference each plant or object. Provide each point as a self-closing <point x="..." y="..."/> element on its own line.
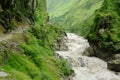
<point x="84" y="66"/>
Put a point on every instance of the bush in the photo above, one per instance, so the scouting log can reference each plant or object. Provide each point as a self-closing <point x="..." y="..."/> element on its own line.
<point x="65" y="67"/>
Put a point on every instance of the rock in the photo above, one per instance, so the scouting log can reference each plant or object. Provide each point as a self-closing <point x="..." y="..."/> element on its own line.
<point x="58" y="56"/>
<point x="81" y="62"/>
<point x="3" y="74"/>
<point x="117" y="56"/>
<point x="88" y="52"/>
<point x="97" y="52"/>
<point x="114" y="65"/>
<point x="60" y="44"/>
<point x="117" y="73"/>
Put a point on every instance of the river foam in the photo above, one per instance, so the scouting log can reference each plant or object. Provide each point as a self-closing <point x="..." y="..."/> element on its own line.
<point x="85" y="67"/>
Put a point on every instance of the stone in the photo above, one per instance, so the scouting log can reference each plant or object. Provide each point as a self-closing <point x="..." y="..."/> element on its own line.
<point x="3" y="74"/>
<point x="114" y="65"/>
<point x="117" y="56"/>
<point x="88" y="52"/>
<point x="81" y="62"/>
<point x="60" y="44"/>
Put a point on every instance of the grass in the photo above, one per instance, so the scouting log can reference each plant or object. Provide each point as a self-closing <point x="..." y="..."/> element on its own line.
<point x="30" y="55"/>
<point x="34" y="61"/>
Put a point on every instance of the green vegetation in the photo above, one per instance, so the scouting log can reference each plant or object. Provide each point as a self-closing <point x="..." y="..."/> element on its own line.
<point x="74" y="14"/>
<point x="97" y="20"/>
<point x="30" y="55"/>
<point x="35" y="60"/>
<point x="17" y="10"/>
<point x="105" y="29"/>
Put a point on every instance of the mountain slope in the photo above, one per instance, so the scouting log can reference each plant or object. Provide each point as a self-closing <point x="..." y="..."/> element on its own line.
<point x="59" y="7"/>
<point x="104" y="31"/>
<point x="29" y="55"/>
<point x="73" y="13"/>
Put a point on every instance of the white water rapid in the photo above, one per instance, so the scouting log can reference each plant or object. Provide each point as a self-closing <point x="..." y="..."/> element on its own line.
<point x="85" y="67"/>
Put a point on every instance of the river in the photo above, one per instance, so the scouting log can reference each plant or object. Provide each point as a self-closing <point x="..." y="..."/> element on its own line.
<point x="84" y="66"/>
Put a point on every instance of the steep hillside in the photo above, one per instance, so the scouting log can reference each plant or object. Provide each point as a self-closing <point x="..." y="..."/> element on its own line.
<point x="104" y="31"/>
<point x="30" y="55"/>
<point x="59" y="7"/>
<point x="70" y="14"/>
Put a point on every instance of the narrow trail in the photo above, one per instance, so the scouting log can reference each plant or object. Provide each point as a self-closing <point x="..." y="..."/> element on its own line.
<point x="5" y="37"/>
<point x="85" y="67"/>
<point x="10" y="35"/>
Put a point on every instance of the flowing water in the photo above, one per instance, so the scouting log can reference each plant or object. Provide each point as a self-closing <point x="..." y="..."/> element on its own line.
<point x="85" y="67"/>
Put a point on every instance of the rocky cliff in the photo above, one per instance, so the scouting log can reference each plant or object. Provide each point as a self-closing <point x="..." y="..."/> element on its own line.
<point x="16" y="11"/>
<point x="104" y="33"/>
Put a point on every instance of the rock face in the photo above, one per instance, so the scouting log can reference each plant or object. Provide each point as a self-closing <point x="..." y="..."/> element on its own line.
<point x="3" y="74"/>
<point x="104" y="35"/>
<point x="60" y="44"/>
<point x="96" y="51"/>
<point x="19" y="10"/>
<point x="114" y="65"/>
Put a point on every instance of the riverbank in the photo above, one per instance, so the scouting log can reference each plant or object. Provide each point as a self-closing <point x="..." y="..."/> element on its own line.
<point x="85" y="67"/>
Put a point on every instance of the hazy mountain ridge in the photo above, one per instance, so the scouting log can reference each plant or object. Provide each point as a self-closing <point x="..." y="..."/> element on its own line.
<point x="75" y="14"/>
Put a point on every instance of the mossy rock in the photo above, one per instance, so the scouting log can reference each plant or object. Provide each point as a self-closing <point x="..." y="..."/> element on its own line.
<point x="114" y="65"/>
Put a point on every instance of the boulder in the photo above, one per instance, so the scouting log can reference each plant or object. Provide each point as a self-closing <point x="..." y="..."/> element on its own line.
<point x="88" y="52"/>
<point x="117" y="56"/>
<point x="60" y="44"/>
<point x="114" y="65"/>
